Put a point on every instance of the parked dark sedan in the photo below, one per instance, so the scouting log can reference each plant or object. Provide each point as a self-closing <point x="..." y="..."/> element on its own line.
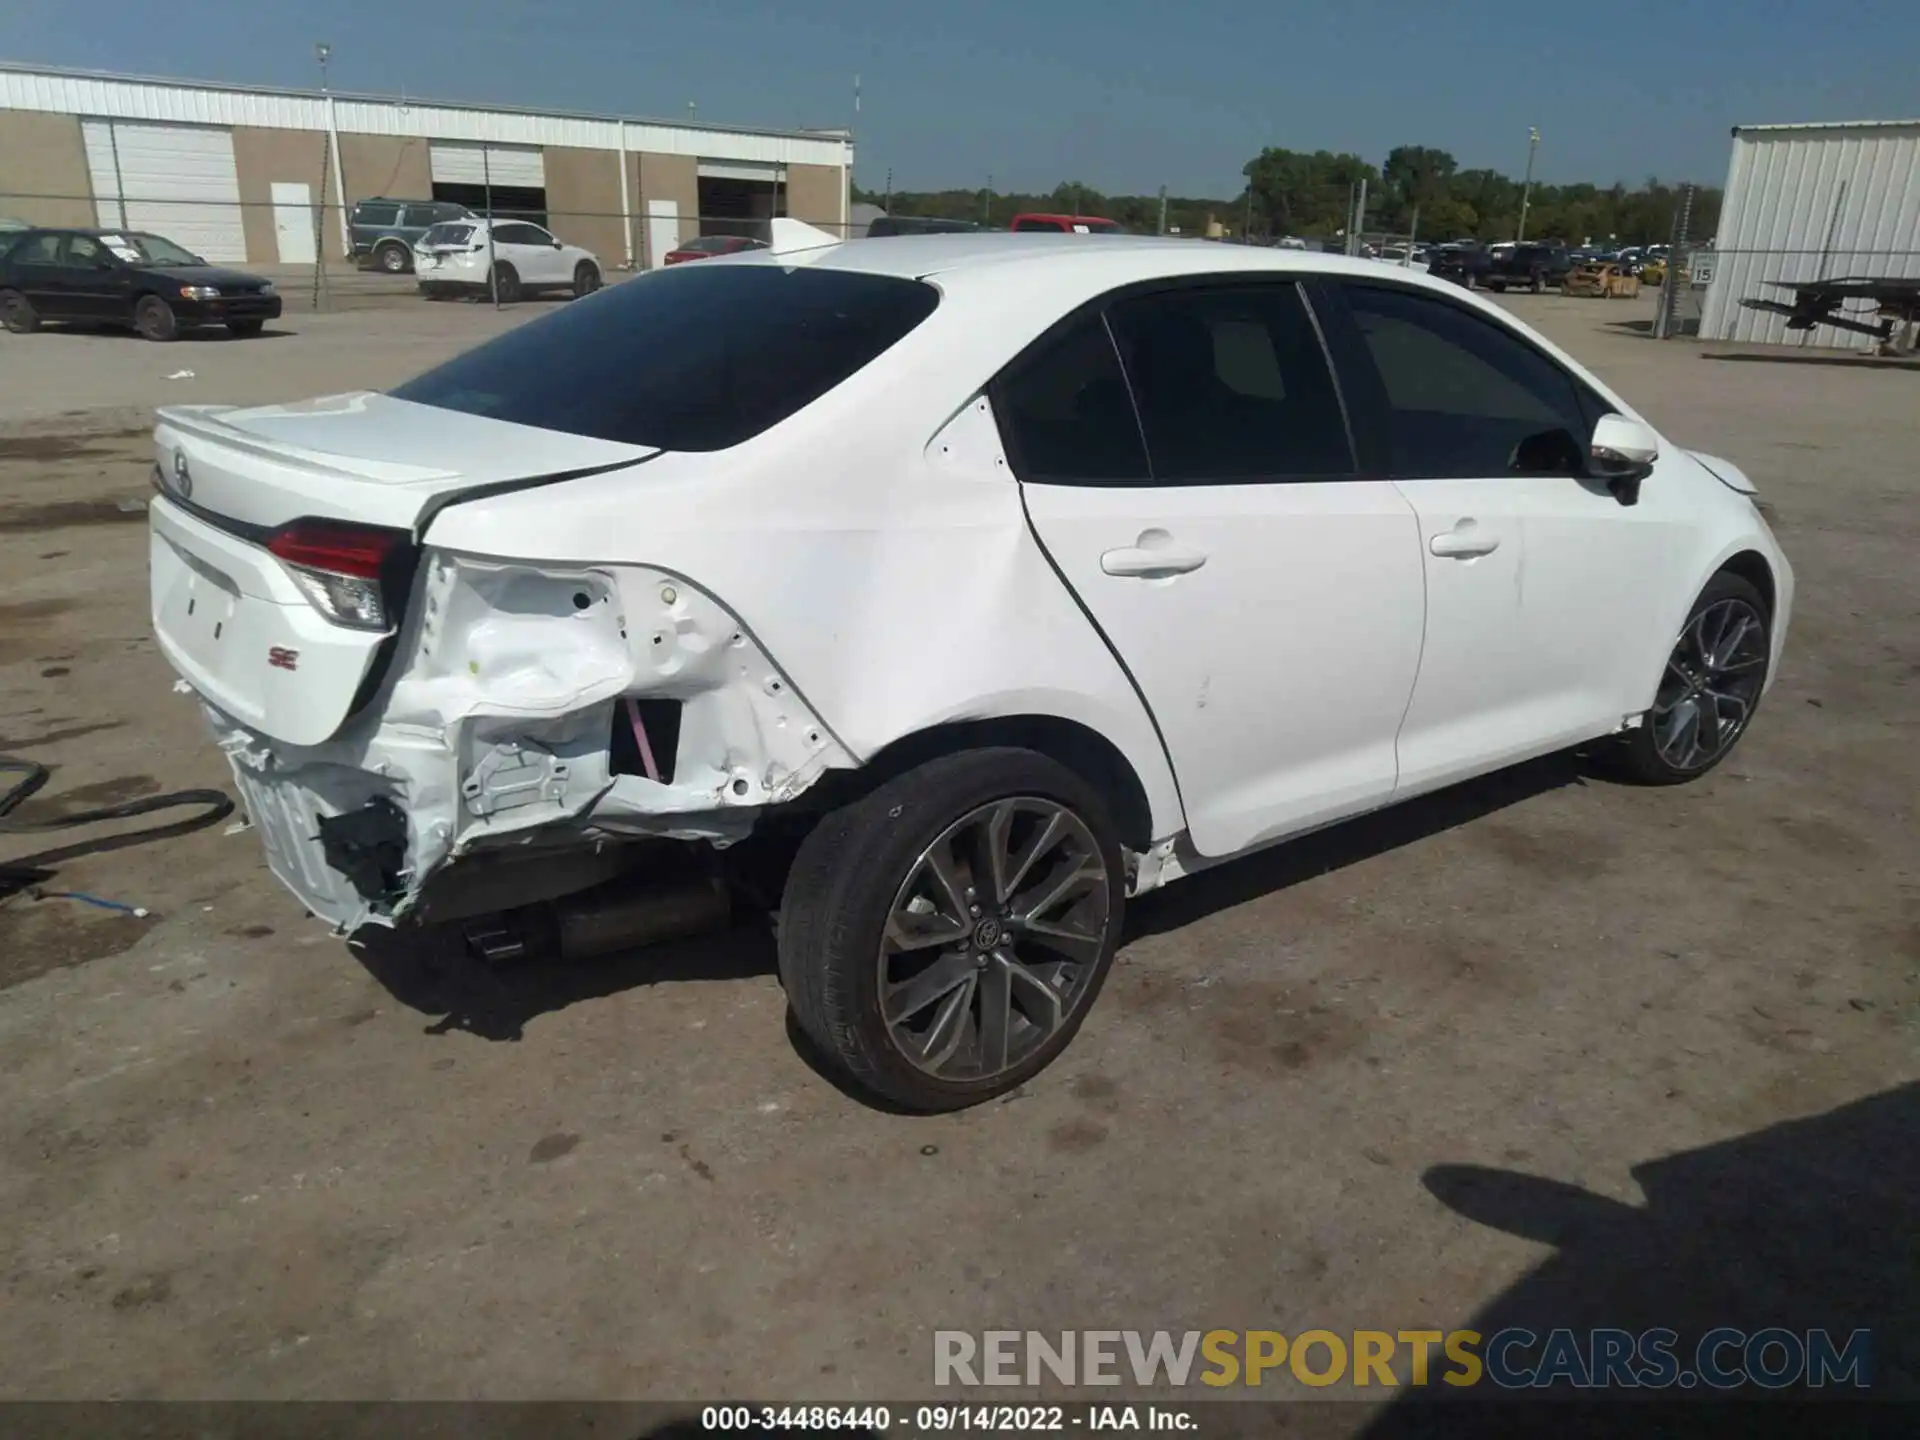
<point x="126" y="277"/>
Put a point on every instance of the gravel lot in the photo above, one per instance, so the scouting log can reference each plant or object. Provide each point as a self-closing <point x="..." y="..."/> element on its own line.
<point x="239" y="1161"/>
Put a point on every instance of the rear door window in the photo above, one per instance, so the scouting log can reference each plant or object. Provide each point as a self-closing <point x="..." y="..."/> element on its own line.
<point x="694" y="357"/>
<point x="1065" y="414"/>
<point x="37" y="250"/>
<point x="1232" y="385"/>
<point x="375" y="214"/>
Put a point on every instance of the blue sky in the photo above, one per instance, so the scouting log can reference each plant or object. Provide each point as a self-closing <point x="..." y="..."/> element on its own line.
<point x="1122" y="95"/>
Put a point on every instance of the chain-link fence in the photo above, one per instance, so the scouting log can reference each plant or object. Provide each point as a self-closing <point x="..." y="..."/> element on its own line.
<point x="381" y="251"/>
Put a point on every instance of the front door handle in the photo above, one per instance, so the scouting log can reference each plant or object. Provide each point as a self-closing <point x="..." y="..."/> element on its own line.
<point x="1464" y="542"/>
<point x="1157" y="562"/>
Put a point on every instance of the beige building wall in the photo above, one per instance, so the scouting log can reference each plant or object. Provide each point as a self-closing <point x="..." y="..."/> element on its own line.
<point x="814" y="193"/>
<point x="43" y="155"/>
<point x="261" y="157"/>
<point x="399" y="167"/>
<point x="583" y="201"/>
<point x="668" y="177"/>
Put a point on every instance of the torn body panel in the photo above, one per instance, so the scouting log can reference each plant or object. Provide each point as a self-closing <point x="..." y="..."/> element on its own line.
<point x="496" y="728"/>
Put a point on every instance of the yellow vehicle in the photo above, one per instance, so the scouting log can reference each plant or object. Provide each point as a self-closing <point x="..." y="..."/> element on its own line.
<point x="1595" y="277"/>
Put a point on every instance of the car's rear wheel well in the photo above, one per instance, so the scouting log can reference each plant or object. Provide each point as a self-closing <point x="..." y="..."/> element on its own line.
<point x="1085" y="751"/>
<point x="1752" y="567"/>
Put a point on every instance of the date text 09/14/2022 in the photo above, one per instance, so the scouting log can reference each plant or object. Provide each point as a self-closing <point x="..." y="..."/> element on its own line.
<point x="945" y="1419"/>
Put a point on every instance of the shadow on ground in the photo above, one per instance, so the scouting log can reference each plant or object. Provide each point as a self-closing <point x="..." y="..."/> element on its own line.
<point x="1808" y="1225"/>
<point x="1348" y="843"/>
<point x="496" y="1000"/>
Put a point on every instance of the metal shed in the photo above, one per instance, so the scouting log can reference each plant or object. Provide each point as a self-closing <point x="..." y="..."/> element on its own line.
<point x="1811" y="202"/>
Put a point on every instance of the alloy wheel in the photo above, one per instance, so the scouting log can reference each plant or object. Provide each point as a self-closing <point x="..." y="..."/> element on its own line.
<point x="993" y="938"/>
<point x="1711" y="686"/>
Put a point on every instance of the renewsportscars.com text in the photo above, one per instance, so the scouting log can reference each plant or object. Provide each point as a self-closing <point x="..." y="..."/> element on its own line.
<point x="1511" y="1359"/>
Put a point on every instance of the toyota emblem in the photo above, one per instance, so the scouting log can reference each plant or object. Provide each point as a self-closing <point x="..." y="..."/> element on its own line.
<point x="182" y="476"/>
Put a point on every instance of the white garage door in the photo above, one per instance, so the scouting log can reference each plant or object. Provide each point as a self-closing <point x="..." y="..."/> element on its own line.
<point x="463" y="163"/>
<point x="173" y="180"/>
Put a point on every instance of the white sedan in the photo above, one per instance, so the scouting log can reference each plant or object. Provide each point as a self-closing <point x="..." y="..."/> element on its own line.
<point x="512" y="257"/>
<point x="963" y="586"/>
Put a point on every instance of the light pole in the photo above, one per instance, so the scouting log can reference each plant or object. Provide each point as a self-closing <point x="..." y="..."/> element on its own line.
<point x="1526" y="190"/>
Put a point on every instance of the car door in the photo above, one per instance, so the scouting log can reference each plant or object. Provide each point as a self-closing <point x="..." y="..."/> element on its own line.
<point x="39" y="271"/>
<point x="1265" y="598"/>
<point x="1541" y="586"/>
<point x="512" y="243"/>
<point x="545" y="253"/>
<point x="96" y="281"/>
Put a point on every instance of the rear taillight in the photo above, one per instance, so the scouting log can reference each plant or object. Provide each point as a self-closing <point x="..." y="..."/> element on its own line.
<point x="340" y="568"/>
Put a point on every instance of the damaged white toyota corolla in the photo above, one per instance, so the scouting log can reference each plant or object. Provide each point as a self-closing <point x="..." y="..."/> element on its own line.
<point x="962" y="586"/>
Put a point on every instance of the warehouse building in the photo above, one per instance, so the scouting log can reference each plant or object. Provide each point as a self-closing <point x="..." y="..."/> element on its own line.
<point x="1811" y="202"/>
<point x="244" y="175"/>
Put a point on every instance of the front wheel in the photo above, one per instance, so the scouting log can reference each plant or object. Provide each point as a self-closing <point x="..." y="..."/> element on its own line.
<point x="155" y="320"/>
<point x="942" y="939"/>
<point x="586" y="279"/>
<point x="1709" y="689"/>
<point x="17" y="313"/>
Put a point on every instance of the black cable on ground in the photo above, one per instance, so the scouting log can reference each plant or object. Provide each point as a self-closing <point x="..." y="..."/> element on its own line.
<point x="16" y="875"/>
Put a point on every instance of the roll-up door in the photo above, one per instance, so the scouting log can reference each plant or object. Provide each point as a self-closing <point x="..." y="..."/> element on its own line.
<point x="469" y="163"/>
<point x="177" y="181"/>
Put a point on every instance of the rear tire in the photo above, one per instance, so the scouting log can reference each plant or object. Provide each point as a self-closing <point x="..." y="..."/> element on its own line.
<point x="871" y="880"/>
<point x="506" y="284"/>
<point x="1711" y="670"/>
<point x="393" y="258"/>
<point x="244" y="329"/>
<point x="586" y="279"/>
<point x="17" y="313"/>
<point x="155" y="320"/>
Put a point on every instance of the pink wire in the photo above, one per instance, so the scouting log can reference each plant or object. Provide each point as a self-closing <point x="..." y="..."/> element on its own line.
<point x="640" y="739"/>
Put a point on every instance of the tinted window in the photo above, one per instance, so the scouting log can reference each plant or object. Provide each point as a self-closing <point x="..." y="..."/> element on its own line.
<point x="38" y="250"/>
<point x="1032" y="224"/>
<point x="1065" y="414"/>
<point x="1231" y="385"/>
<point x="516" y="234"/>
<point x="85" y="250"/>
<point x="375" y="214"/>
<point x="1462" y="393"/>
<point x="692" y="358"/>
<point x="452" y="232"/>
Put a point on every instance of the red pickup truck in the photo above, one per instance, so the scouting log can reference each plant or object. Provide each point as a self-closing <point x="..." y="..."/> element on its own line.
<point x="1071" y="224"/>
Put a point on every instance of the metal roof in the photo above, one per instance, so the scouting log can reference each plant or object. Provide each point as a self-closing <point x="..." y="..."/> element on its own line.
<point x="205" y="102"/>
<point x="811" y="133"/>
<point x="1827" y="125"/>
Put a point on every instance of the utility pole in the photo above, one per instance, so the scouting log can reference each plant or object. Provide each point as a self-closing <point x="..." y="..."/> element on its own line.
<point x="1358" y="223"/>
<point x="986" y="204"/>
<point x="886" y="205"/>
<point x="1526" y="189"/>
<point x="1163" y="209"/>
<point x="1246" y="227"/>
<point x="322" y="289"/>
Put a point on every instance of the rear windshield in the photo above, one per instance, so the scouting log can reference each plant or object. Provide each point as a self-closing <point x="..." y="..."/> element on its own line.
<point x="691" y="358"/>
<point x="447" y="234"/>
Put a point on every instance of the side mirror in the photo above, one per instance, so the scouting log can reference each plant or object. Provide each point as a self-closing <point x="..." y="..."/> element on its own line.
<point x="559" y="245"/>
<point x="1622" y="455"/>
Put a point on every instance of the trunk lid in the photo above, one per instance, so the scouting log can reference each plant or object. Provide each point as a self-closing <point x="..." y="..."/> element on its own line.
<point x="361" y="457"/>
<point x="231" y="617"/>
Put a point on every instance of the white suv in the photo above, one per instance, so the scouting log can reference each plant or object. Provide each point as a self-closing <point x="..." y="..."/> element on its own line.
<point x="516" y="257"/>
<point x="991" y="579"/>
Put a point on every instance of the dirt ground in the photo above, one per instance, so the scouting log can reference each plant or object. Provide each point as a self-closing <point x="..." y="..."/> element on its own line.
<point x="237" y="1160"/>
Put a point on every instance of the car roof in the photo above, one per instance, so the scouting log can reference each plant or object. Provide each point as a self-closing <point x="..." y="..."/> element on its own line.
<point x="917" y="257"/>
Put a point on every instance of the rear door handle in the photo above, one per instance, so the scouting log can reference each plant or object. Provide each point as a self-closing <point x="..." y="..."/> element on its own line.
<point x="1144" y="563"/>
<point x="1464" y="543"/>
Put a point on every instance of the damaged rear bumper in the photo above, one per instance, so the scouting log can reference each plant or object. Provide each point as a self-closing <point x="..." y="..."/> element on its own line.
<point x="550" y="712"/>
